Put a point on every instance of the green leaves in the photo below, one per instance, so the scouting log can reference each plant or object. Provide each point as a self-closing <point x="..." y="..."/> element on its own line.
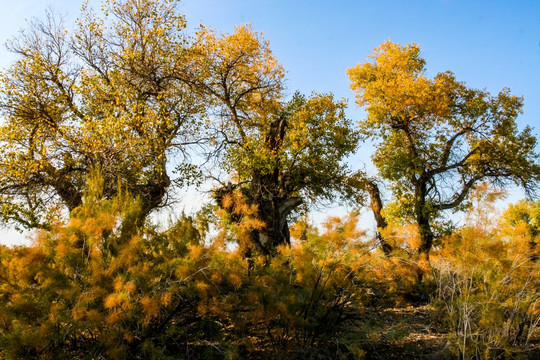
<point x="436" y="138"/>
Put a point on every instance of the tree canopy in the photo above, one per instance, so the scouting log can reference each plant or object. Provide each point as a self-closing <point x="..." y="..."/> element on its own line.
<point x="435" y="137"/>
<point x="101" y="125"/>
<point x="116" y="94"/>
<point x="281" y="154"/>
<point x="129" y="93"/>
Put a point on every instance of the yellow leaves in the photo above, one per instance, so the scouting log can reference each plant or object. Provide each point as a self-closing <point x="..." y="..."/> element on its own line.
<point x="150" y="307"/>
<point x="78" y="314"/>
<point x="128" y="336"/>
<point x="118" y="284"/>
<point x="235" y="280"/>
<point x="342" y="230"/>
<point x="480" y="270"/>
<point x="166" y="299"/>
<point x="250" y="223"/>
<point x="95" y="316"/>
<point x="393" y="86"/>
<point x="406" y="235"/>
<point x="196" y="251"/>
<point x="228" y="201"/>
<point x="252" y="76"/>
<point x="182" y="271"/>
<point x="98" y="115"/>
<point x="123" y="295"/>
<point x="202" y="287"/>
<point x="234" y="205"/>
<point x="111" y="301"/>
<point x="130" y="287"/>
<point x="114" y="317"/>
<point x="63" y="249"/>
<point x="15" y="298"/>
<point x="120" y="299"/>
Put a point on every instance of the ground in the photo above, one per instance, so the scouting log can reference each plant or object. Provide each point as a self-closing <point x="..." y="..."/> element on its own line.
<point x="406" y="333"/>
<point x="414" y="332"/>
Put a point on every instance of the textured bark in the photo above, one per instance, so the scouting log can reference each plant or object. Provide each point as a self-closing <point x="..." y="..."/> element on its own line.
<point x="376" y="207"/>
<point x="272" y="210"/>
<point x="426" y="237"/>
<point x="422" y="214"/>
<point x="152" y="193"/>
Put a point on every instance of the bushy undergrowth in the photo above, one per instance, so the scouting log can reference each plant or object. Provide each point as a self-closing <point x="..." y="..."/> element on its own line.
<point x="103" y="286"/>
<point x="488" y="281"/>
<point x="99" y="286"/>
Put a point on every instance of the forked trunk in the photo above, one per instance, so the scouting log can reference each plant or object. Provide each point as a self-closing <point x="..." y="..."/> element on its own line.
<point x="276" y="228"/>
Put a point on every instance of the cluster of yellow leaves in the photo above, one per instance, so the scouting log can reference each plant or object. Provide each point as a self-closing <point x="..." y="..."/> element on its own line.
<point x="394" y="86"/>
<point x="246" y="218"/>
<point x="240" y="71"/>
<point x="288" y="303"/>
<point x="99" y="280"/>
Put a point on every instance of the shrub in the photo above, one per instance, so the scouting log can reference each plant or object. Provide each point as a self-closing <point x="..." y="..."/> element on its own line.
<point x="488" y="292"/>
<point x="299" y="303"/>
<point x="103" y="286"/>
<point x="99" y="286"/>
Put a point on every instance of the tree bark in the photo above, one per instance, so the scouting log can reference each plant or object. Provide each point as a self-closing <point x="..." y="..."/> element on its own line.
<point x="376" y="207"/>
<point x="423" y="221"/>
<point x="273" y="211"/>
<point x="152" y="194"/>
<point x="426" y="237"/>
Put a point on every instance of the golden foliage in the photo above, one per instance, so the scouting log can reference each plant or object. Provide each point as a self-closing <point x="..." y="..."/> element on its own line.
<point x="488" y="280"/>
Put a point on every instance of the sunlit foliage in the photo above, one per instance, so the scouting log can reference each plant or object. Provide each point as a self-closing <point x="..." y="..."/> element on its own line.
<point x="98" y="286"/>
<point x="97" y="120"/>
<point x="113" y="93"/>
<point x="282" y="154"/>
<point x="488" y="281"/>
<point x="436" y="138"/>
<point x="101" y="286"/>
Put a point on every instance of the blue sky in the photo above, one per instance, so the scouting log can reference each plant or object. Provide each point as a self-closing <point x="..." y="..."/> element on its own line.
<point x="487" y="44"/>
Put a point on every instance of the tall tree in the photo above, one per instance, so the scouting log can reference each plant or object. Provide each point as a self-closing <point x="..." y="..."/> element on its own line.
<point x="279" y="154"/>
<point x="115" y="94"/>
<point x="436" y="138"/>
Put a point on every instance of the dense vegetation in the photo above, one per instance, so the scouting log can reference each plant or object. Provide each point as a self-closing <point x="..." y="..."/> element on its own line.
<point x="103" y="126"/>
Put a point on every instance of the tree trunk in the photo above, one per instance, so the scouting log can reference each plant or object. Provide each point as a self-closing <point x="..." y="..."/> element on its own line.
<point x="426" y="242"/>
<point x="276" y="229"/>
<point x="152" y="193"/>
<point x="272" y="198"/>
<point x="426" y="236"/>
<point x="423" y="218"/>
<point x="271" y="210"/>
<point x="376" y="207"/>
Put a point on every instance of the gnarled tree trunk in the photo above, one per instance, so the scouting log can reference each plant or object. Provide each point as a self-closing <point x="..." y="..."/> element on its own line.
<point x="376" y="207"/>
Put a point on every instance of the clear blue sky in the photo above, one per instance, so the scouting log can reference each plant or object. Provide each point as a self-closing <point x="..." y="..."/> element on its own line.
<point x="488" y="44"/>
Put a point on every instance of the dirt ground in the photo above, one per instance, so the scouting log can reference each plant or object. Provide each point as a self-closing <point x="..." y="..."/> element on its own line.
<point x="406" y="333"/>
<point x="413" y="333"/>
